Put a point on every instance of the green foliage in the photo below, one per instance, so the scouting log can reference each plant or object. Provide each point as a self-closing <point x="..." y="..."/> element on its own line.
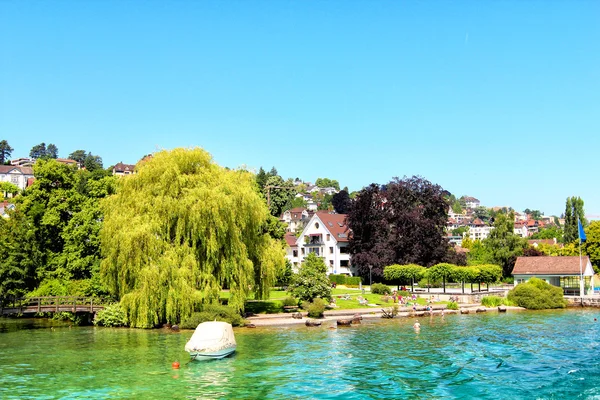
<point x="311" y="281"/>
<point x="316" y="308"/>
<point x="573" y="212"/>
<point x="502" y="247"/>
<point x="326" y="182"/>
<point x="111" y="316"/>
<point x="537" y="294"/>
<point x="212" y="312"/>
<point x="460" y="231"/>
<point x="489" y="273"/>
<point x="285" y="274"/>
<point x="551" y="232"/>
<point x="264" y="306"/>
<point x="5" y="151"/>
<point x="338" y="279"/>
<point x="181" y="229"/>
<point x="492" y="301"/>
<point x="7" y="188"/>
<point x="380" y="288"/>
<point x="592" y="245"/>
<point x="452" y="305"/>
<point x="278" y="193"/>
<point x="403" y="274"/>
<point x="67" y="316"/>
<point x="353" y="281"/>
<point x="290" y="302"/>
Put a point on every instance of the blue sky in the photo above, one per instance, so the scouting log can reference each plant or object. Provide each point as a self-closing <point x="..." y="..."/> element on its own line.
<point x="497" y="100"/>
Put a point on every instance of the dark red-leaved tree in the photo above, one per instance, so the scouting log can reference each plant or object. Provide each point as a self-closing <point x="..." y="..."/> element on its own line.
<point x="341" y="202"/>
<point x="400" y="223"/>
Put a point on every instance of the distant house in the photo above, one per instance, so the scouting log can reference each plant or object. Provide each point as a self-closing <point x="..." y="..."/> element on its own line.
<point x="121" y="169"/>
<point x="68" y="161"/>
<point x="479" y="230"/>
<point x="472" y="202"/>
<point x="326" y="235"/>
<point x="291" y="251"/>
<point x="520" y="229"/>
<point x="563" y="272"/>
<point x="460" y="218"/>
<point x="18" y="176"/>
<point x="23" y="162"/>
<point x="295" y="218"/>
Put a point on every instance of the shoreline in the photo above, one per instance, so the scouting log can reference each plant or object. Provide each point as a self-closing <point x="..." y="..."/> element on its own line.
<point x="282" y="319"/>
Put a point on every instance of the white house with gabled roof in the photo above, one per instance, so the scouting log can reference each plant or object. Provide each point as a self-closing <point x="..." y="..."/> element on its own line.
<point x="326" y="235"/>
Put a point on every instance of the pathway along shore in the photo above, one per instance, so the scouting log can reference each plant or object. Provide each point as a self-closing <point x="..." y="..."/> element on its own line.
<point x="371" y="313"/>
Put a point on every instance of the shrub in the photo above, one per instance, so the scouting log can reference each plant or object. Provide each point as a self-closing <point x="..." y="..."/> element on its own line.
<point x="537" y="294"/>
<point x="112" y="315"/>
<point x="509" y="279"/>
<point x="212" y="312"/>
<point x="311" y="281"/>
<point x="380" y="288"/>
<point x="452" y="305"/>
<point x="337" y="279"/>
<point x="66" y="316"/>
<point x="403" y="293"/>
<point x="263" y="306"/>
<point x="290" y="301"/>
<point x="353" y="281"/>
<point x="492" y="301"/>
<point x="316" y="308"/>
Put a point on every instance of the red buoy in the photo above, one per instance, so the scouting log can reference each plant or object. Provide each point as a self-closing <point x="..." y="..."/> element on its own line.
<point x="175" y="365"/>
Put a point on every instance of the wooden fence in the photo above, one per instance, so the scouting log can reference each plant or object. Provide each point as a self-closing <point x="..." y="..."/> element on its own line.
<point x="50" y="304"/>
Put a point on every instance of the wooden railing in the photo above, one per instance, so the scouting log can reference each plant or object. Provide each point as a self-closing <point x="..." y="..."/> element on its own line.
<point x="50" y="304"/>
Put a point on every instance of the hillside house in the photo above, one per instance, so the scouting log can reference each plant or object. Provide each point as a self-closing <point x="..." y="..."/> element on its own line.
<point x="18" y="176"/>
<point x="326" y="235"/>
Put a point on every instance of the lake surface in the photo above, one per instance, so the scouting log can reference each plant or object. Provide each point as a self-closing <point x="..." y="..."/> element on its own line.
<point x="528" y="355"/>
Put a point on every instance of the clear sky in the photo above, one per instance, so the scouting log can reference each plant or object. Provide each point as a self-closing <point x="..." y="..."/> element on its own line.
<point x="495" y="99"/>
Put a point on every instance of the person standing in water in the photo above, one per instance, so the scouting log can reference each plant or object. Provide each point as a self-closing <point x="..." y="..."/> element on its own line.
<point x="417" y="326"/>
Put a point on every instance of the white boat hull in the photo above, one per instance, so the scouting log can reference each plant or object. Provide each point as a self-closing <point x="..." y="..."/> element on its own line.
<point x="211" y="355"/>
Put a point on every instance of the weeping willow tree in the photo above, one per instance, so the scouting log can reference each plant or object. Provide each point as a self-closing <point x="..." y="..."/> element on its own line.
<point x="181" y="229"/>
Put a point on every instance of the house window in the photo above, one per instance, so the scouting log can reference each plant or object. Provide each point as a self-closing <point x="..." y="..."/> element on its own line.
<point x="331" y="250"/>
<point x="14" y="179"/>
<point x="328" y="237"/>
<point x="344" y="263"/>
<point x="303" y="251"/>
<point x="331" y="262"/>
<point x="317" y="225"/>
<point x="344" y="250"/>
<point x="295" y="253"/>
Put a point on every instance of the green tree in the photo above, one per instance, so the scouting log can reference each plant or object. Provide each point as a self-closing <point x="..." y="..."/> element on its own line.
<point x="278" y="193"/>
<point x="52" y="151"/>
<point x="592" y="244"/>
<point x="573" y="212"/>
<point x="551" y="232"/>
<point x="326" y="182"/>
<point x="404" y="274"/>
<point x="180" y="230"/>
<point x="488" y="273"/>
<point x="537" y="294"/>
<point x="78" y="155"/>
<point x="311" y="281"/>
<point x="441" y="271"/>
<point x="7" y="188"/>
<point x="5" y="151"/>
<point x="38" y="151"/>
<point x="92" y="162"/>
<point x="464" y="275"/>
<point x="502" y="245"/>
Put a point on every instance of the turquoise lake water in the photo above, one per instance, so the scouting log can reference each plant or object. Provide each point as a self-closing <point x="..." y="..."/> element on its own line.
<point x="520" y="355"/>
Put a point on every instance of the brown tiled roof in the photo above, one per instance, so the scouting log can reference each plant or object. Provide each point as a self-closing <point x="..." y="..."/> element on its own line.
<point x="120" y="167"/>
<point x="547" y="265"/>
<point x="5" y="169"/>
<point x="290" y="239"/>
<point x="336" y="224"/>
<point x="477" y="221"/>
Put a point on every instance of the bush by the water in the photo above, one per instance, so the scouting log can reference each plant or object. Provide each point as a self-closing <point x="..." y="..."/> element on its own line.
<point x="212" y="312"/>
<point x="380" y="288"/>
<point x="494" y="301"/>
<point x="537" y="294"/>
<point x="112" y="315"/>
<point x="452" y="305"/>
<point x="290" y="302"/>
<point x="316" y="308"/>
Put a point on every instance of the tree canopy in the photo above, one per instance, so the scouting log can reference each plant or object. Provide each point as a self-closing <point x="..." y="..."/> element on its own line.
<point x="326" y="182"/>
<point x="402" y="222"/>
<point x="311" y="280"/>
<point x="341" y="202"/>
<point x="5" y="151"/>
<point x="40" y="151"/>
<point x="181" y="229"/>
<point x="573" y="212"/>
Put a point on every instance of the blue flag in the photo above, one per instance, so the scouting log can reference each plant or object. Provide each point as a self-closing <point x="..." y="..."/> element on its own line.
<point x="581" y="231"/>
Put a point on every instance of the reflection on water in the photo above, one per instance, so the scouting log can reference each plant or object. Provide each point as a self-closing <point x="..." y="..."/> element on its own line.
<point x="529" y="355"/>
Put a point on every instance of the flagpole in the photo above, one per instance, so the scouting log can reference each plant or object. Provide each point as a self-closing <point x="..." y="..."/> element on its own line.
<point x="580" y="263"/>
